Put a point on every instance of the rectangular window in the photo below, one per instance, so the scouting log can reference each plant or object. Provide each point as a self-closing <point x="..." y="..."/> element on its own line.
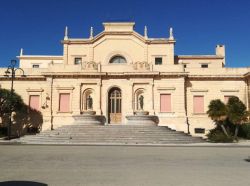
<point x="78" y="60"/>
<point x="226" y="98"/>
<point x="64" y="102"/>
<point x="34" y="102"/>
<point x="35" y="66"/>
<point x="199" y="130"/>
<point x="165" y="102"/>
<point x="185" y="66"/>
<point x="204" y="65"/>
<point x="158" y="60"/>
<point x="198" y="104"/>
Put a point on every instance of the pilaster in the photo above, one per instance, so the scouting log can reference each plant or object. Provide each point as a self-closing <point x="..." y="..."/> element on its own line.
<point x="152" y="111"/>
<point x="99" y="97"/>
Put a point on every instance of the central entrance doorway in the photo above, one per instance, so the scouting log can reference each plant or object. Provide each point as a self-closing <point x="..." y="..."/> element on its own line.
<point x="115" y="106"/>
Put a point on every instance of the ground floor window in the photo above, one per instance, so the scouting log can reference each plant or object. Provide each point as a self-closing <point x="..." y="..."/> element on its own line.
<point x="165" y="103"/>
<point x="226" y="98"/>
<point x="198" y="104"/>
<point x="34" y="102"/>
<point x="64" y="102"/>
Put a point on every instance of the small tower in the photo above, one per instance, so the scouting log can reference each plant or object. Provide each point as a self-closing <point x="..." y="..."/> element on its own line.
<point x="171" y="35"/>
<point x="145" y="32"/>
<point x="91" y="35"/>
<point x="66" y="33"/>
<point x="21" y="51"/>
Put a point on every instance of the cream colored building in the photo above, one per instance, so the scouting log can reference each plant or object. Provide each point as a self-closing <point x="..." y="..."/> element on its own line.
<point x="110" y="72"/>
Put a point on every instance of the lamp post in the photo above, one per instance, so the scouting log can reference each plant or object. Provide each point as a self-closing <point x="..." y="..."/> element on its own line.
<point x="11" y="72"/>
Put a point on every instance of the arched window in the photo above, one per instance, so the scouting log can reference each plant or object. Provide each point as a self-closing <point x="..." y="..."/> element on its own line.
<point x="118" y="59"/>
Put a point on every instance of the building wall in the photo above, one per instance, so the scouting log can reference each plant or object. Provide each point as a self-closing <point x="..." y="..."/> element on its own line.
<point x="96" y="76"/>
<point x="211" y="89"/>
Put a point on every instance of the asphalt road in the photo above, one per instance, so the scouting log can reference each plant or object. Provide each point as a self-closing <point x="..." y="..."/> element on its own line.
<point x="123" y="166"/>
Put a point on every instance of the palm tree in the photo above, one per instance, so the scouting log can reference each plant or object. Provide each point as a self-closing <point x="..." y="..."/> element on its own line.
<point x="217" y="111"/>
<point x="237" y="113"/>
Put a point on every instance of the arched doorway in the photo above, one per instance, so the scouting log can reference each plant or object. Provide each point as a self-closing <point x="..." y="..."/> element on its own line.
<point x="115" y="106"/>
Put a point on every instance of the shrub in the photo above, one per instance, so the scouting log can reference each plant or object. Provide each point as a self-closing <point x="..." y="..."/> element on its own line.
<point x="244" y="131"/>
<point x="216" y="135"/>
<point x="3" y="131"/>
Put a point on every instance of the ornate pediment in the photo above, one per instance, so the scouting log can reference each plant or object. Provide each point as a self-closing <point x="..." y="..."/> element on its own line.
<point x="141" y="65"/>
<point x="90" y="65"/>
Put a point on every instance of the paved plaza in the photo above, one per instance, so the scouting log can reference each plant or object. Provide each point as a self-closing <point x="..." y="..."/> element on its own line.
<point x="123" y="166"/>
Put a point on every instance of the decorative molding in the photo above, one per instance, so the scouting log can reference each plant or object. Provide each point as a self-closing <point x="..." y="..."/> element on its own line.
<point x="141" y="65"/>
<point x="229" y="90"/>
<point x="166" y="88"/>
<point x="34" y="90"/>
<point x="199" y="90"/>
<point x="65" y="88"/>
<point x="91" y="65"/>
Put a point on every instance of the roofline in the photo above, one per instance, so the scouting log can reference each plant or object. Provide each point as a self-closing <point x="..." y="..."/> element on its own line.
<point x="119" y="23"/>
<point x="199" y="57"/>
<point x="39" y="57"/>
<point x="102" y="34"/>
<point x="247" y="74"/>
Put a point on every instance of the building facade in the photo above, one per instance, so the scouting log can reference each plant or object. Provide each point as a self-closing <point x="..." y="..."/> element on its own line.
<point x="120" y="72"/>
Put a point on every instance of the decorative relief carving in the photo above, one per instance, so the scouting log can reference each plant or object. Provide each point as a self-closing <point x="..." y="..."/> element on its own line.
<point x="141" y="65"/>
<point x="90" y="65"/>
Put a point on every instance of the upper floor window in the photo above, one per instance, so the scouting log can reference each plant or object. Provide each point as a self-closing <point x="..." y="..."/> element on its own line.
<point x="198" y="102"/>
<point x="78" y="60"/>
<point x="204" y="65"/>
<point x="117" y="59"/>
<point x="158" y="60"/>
<point x="35" y="66"/>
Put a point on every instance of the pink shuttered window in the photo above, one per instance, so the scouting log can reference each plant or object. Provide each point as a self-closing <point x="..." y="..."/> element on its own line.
<point x="226" y="98"/>
<point x="34" y="102"/>
<point x="198" y="104"/>
<point x="64" y="102"/>
<point x="165" y="102"/>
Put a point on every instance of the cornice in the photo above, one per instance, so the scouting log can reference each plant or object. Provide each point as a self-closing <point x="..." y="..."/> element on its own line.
<point x="40" y="57"/>
<point x="247" y="74"/>
<point x="199" y="57"/>
<point x="121" y="33"/>
<point x="215" y="77"/>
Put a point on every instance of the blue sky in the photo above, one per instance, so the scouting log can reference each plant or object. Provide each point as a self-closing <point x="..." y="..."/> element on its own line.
<point x="38" y="25"/>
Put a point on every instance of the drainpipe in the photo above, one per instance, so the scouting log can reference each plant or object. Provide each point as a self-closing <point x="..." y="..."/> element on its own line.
<point x="51" y="109"/>
<point x="247" y="94"/>
<point x="185" y="103"/>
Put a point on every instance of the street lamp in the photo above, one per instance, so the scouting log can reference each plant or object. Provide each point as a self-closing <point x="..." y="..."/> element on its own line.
<point x="11" y="72"/>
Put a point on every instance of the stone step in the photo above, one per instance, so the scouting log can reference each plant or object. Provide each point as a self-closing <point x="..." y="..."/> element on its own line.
<point x="115" y="141"/>
<point x="110" y="134"/>
<point x="110" y="142"/>
<point x="112" y="139"/>
<point x="106" y="139"/>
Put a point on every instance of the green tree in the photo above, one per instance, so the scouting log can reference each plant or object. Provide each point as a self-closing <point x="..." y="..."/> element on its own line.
<point x="237" y="113"/>
<point x="9" y="104"/>
<point x="217" y="111"/>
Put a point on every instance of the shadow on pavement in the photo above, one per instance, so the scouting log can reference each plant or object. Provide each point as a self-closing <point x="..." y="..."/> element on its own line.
<point x="21" y="183"/>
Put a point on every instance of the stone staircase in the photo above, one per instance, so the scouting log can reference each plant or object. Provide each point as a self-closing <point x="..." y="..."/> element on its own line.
<point x="110" y="135"/>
